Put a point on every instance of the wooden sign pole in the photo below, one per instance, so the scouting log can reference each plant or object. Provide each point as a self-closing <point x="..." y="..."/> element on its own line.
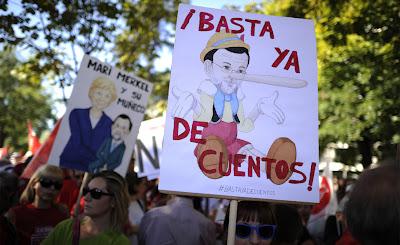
<point x="232" y="222"/>
<point x="78" y="201"/>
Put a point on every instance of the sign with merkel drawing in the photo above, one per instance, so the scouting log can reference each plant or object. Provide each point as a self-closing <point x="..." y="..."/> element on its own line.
<point x="242" y="116"/>
<point x="102" y="120"/>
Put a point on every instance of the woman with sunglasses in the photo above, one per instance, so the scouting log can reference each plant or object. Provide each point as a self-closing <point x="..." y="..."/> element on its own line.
<point x="38" y="213"/>
<point x="255" y="223"/>
<point x="105" y="213"/>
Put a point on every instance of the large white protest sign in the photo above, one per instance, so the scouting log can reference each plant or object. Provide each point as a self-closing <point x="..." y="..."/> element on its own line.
<point x="242" y="115"/>
<point x="148" y="148"/>
<point x="102" y="120"/>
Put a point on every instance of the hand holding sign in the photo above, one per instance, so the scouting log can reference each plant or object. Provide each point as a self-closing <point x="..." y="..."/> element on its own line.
<point x="268" y="107"/>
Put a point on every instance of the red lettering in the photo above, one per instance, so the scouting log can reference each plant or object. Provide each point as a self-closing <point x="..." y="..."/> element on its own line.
<point x="294" y="170"/>
<point x="201" y="159"/>
<point x="185" y="133"/>
<point x="281" y="56"/>
<point x="195" y="132"/>
<point x="187" y="19"/>
<point x="253" y="166"/>
<point x="267" y="28"/>
<point x="205" y="22"/>
<point x="237" y="162"/>
<point x="222" y="23"/>
<point x="221" y="171"/>
<point x="268" y="164"/>
<point x="293" y="61"/>
<point x="311" y="179"/>
<point x="281" y="169"/>
<point x="253" y="25"/>
<point x="241" y="28"/>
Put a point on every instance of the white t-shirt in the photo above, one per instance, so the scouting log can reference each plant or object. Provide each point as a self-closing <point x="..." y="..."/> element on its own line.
<point x="136" y="214"/>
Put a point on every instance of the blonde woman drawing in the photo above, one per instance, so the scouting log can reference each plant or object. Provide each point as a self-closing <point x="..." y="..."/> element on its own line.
<point x="89" y="127"/>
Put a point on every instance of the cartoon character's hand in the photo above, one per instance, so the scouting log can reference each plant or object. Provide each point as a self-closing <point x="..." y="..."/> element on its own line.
<point x="186" y="102"/>
<point x="268" y="107"/>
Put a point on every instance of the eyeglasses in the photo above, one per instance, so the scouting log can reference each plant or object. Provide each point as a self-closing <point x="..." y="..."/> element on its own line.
<point x="228" y="69"/>
<point x="47" y="183"/>
<point x="264" y="231"/>
<point x="95" y="193"/>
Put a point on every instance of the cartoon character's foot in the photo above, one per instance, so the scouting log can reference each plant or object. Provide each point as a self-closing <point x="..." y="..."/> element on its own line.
<point x="282" y="149"/>
<point x="215" y="118"/>
<point x="211" y="164"/>
<point x="236" y="118"/>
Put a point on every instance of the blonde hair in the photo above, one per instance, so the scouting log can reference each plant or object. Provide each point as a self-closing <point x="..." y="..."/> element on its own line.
<point x="117" y="186"/>
<point x="28" y="196"/>
<point x="103" y="83"/>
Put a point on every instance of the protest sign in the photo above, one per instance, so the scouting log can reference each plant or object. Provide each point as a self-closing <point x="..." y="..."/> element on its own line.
<point x="102" y="120"/>
<point x="242" y="115"/>
<point x="148" y="148"/>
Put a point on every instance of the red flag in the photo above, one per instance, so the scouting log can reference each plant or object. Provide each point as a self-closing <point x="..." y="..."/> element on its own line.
<point x="327" y="204"/>
<point x="3" y="152"/>
<point x="33" y="140"/>
<point x="42" y="155"/>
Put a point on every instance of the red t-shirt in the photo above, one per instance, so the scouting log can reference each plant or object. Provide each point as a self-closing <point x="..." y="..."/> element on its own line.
<point x="69" y="193"/>
<point x="34" y="224"/>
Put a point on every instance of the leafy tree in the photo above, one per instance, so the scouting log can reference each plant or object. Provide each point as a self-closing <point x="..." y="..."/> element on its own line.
<point x="53" y="30"/>
<point x="22" y="98"/>
<point x="150" y="26"/>
<point x="57" y="31"/>
<point x="359" y="82"/>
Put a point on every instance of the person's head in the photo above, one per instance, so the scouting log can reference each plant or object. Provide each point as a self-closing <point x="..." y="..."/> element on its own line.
<point x="106" y="195"/>
<point x="136" y="186"/>
<point x="373" y="208"/>
<point x="8" y="191"/>
<point x="102" y="93"/>
<point x="45" y="184"/>
<point x="289" y="225"/>
<point x="304" y="212"/>
<point x="255" y="223"/>
<point x="121" y="127"/>
<point x="225" y="59"/>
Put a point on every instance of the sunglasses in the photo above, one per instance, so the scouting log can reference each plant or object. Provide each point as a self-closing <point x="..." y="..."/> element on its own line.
<point x="95" y="193"/>
<point x="264" y="231"/>
<point x="47" y="183"/>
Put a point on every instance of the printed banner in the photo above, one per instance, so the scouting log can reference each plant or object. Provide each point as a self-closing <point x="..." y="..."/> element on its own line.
<point x="242" y="116"/>
<point x="102" y="120"/>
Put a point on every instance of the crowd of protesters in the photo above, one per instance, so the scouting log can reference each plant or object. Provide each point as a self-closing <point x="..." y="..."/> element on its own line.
<point x="131" y="210"/>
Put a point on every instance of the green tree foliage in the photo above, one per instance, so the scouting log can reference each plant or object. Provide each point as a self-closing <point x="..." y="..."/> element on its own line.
<point x="22" y="98"/>
<point x="150" y="26"/>
<point x="358" y="46"/>
<point x="53" y="30"/>
<point x="133" y="31"/>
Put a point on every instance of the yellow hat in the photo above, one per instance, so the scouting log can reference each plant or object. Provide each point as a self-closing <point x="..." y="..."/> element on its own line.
<point x="222" y="40"/>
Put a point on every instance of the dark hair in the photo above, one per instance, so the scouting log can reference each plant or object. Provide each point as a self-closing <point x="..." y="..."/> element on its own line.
<point x="236" y="50"/>
<point x="289" y="224"/>
<point x="124" y="116"/>
<point x="262" y="212"/>
<point x="8" y="190"/>
<point x="373" y="209"/>
<point x="132" y="181"/>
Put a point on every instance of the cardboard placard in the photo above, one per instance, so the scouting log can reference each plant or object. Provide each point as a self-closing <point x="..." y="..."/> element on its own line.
<point x="148" y="148"/>
<point x="102" y="120"/>
<point x="242" y="115"/>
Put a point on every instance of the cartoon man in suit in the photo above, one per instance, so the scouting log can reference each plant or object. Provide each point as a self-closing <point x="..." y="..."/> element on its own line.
<point x="111" y="151"/>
